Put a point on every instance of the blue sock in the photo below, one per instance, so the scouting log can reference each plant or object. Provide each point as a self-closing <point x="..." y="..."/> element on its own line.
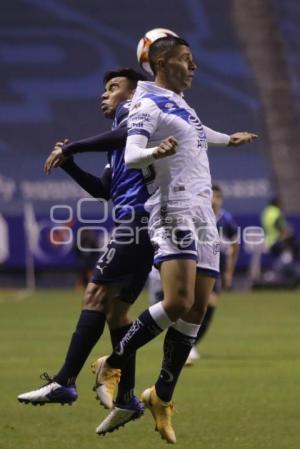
<point x="127" y="381"/>
<point x="88" y="331"/>
<point x="142" y="330"/>
<point x="177" y="347"/>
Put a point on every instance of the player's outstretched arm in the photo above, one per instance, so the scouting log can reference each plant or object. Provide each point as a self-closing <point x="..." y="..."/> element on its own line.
<point x="240" y="138"/>
<point x="216" y="138"/>
<point x="111" y="140"/>
<point x="96" y="187"/>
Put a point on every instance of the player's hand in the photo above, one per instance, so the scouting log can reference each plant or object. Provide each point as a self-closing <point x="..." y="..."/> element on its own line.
<point x="166" y="148"/>
<point x="241" y="137"/>
<point x="55" y="158"/>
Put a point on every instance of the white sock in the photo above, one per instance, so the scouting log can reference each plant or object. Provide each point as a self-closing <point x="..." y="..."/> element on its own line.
<point x="160" y="316"/>
<point x="185" y="328"/>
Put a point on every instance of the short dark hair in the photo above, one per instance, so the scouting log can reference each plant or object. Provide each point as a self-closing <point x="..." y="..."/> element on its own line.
<point x="132" y="75"/>
<point x="164" y="46"/>
<point x="216" y="188"/>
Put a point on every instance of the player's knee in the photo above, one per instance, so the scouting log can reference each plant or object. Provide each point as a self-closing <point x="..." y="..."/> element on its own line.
<point x="179" y="304"/>
<point x="95" y="297"/>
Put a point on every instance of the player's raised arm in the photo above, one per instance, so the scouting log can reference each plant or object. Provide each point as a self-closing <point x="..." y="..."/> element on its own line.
<point x="216" y="138"/>
<point x="111" y="140"/>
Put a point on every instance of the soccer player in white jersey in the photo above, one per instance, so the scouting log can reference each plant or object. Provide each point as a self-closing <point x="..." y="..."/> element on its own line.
<point x="166" y="135"/>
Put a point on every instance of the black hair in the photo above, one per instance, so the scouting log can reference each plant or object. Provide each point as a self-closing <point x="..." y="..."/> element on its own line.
<point x="132" y="75"/>
<point x="164" y="46"/>
<point x="216" y="188"/>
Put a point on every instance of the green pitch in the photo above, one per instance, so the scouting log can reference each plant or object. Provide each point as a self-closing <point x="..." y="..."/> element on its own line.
<point x="244" y="393"/>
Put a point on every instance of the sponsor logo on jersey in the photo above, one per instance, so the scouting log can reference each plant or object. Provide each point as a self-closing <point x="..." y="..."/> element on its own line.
<point x="194" y="121"/>
<point x="143" y="116"/>
<point x="136" y="106"/>
<point x="170" y="106"/>
<point x="137" y="125"/>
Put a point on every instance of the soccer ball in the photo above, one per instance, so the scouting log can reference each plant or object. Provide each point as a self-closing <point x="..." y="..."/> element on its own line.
<point x="144" y="44"/>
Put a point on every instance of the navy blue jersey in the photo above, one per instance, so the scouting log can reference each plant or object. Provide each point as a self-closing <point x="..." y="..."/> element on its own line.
<point x="128" y="188"/>
<point x="226" y="225"/>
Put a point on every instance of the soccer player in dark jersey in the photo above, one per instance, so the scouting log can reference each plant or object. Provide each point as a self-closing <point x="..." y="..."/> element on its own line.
<point x="122" y="270"/>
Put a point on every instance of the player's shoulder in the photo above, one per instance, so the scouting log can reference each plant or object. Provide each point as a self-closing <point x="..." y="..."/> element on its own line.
<point x="163" y="102"/>
<point x="123" y="107"/>
<point x="122" y="112"/>
<point x="153" y="103"/>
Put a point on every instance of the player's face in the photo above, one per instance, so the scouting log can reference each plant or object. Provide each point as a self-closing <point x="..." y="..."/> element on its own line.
<point x="180" y="69"/>
<point x="116" y="90"/>
<point x="217" y="201"/>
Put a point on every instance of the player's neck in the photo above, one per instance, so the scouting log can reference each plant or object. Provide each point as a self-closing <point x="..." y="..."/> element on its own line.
<point x="161" y="81"/>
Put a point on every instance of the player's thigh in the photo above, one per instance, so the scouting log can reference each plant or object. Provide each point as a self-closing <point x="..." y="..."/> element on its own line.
<point x="125" y="257"/>
<point x="203" y="290"/>
<point x="178" y="278"/>
<point x="117" y="309"/>
<point x="97" y="296"/>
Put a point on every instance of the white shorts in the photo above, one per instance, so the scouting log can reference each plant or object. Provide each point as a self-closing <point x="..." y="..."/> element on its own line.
<point x="186" y="233"/>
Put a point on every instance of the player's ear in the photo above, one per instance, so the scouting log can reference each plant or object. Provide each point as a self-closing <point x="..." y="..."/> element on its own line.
<point x="160" y="64"/>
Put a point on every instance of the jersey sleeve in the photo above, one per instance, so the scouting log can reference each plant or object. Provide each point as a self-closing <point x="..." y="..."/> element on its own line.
<point x="95" y="186"/>
<point x="216" y="138"/>
<point x="111" y="140"/>
<point x="143" y="118"/>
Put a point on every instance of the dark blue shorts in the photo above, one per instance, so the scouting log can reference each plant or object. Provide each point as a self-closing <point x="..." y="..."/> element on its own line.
<point x="127" y="260"/>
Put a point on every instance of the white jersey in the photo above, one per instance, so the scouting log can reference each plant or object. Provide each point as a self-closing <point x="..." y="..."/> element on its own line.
<point x="158" y="113"/>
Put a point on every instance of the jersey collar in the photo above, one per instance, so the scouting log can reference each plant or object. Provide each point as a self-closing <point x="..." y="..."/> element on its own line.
<point x="150" y="86"/>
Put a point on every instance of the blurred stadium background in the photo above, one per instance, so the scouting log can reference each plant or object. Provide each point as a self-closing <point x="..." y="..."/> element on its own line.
<point x="53" y="55"/>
